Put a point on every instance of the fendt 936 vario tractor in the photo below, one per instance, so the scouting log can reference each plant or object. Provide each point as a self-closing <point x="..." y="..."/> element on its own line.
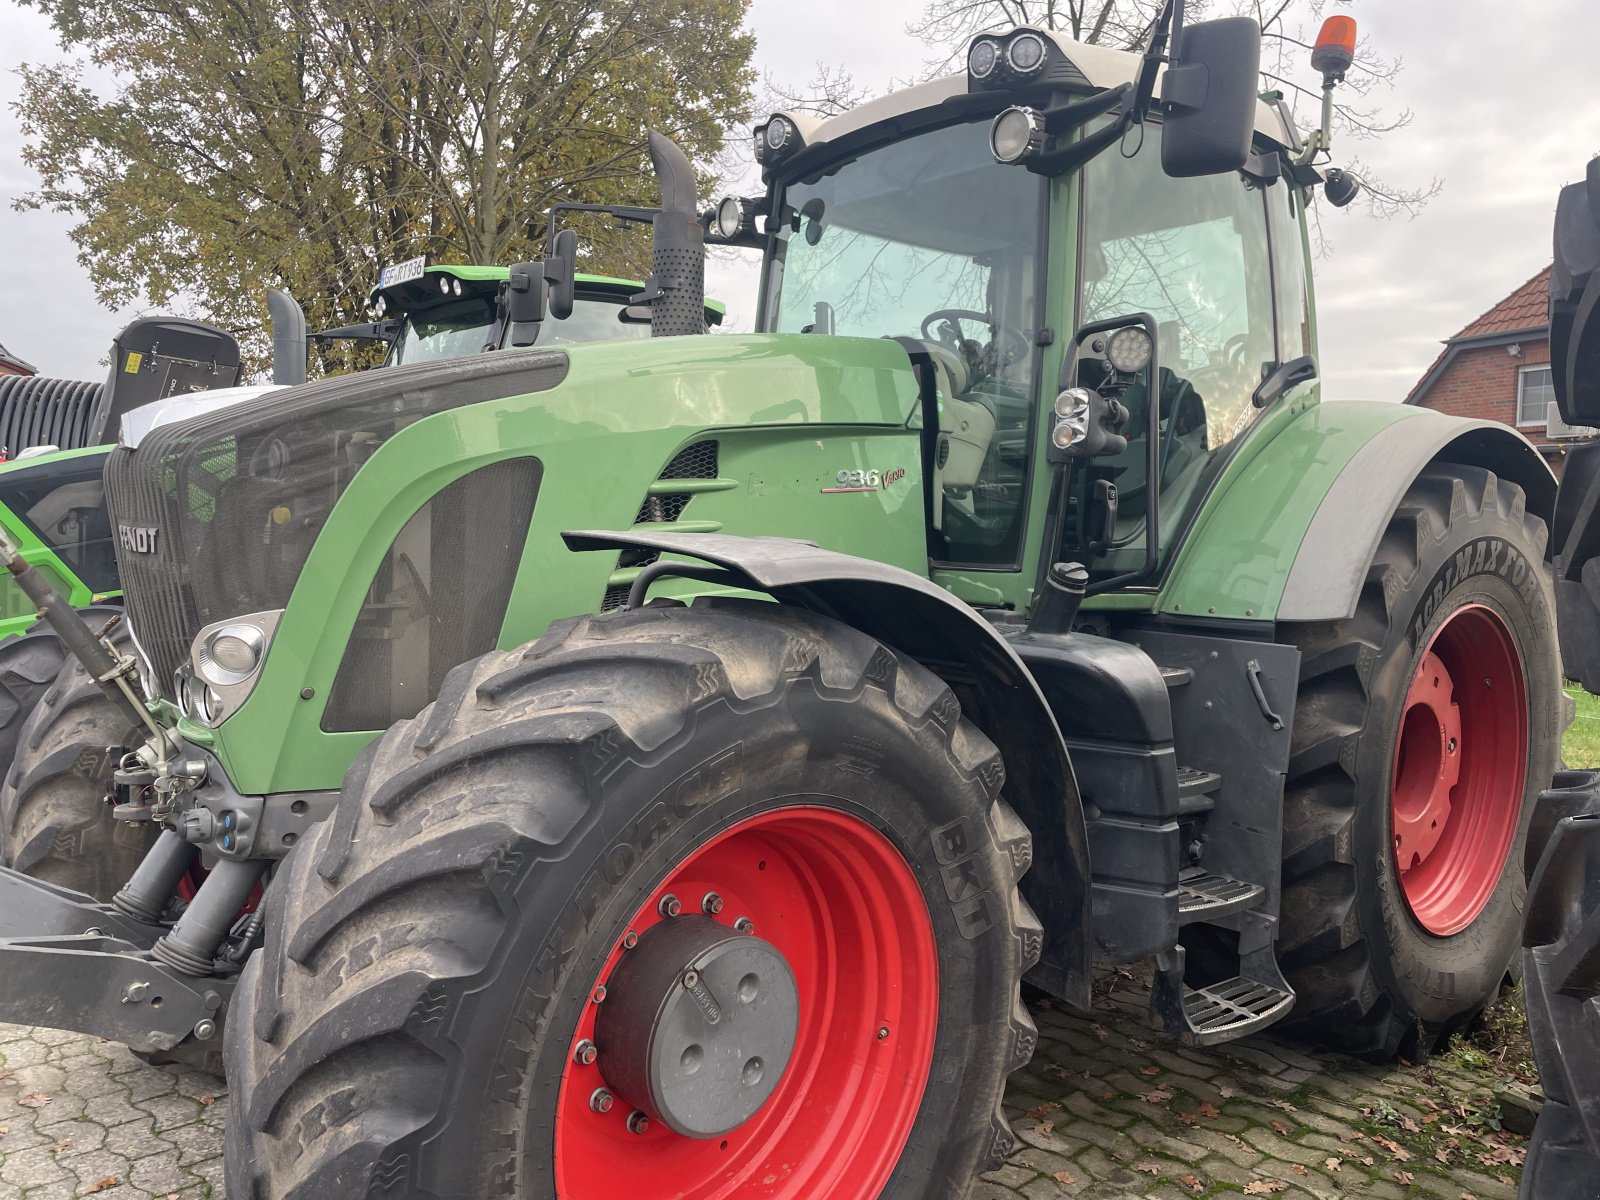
<point x="727" y="727"/>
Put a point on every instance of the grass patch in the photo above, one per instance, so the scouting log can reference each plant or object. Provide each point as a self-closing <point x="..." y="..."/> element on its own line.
<point x="1580" y="745"/>
<point x="1498" y="1041"/>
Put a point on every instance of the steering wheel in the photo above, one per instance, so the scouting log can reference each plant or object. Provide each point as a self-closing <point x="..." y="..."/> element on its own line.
<point x="1009" y="345"/>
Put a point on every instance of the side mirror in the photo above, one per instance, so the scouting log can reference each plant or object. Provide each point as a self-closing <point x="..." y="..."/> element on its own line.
<point x="1209" y="98"/>
<point x="560" y="271"/>
<point x="522" y="296"/>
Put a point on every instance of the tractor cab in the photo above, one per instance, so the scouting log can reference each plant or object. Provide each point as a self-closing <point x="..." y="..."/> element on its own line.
<point x="1042" y="235"/>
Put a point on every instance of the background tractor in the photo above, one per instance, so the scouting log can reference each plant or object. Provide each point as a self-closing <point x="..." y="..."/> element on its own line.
<point x="1561" y="959"/>
<point x="1007" y="603"/>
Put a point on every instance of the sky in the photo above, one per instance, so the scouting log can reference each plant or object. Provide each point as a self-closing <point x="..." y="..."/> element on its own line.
<point x="1501" y="108"/>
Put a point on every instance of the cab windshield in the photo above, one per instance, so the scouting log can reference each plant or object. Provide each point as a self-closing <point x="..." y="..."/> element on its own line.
<point x="929" y="238"/>
<point x="452" y="330"/>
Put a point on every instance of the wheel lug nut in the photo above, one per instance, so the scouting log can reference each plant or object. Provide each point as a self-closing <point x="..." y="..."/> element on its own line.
<point x="691" y="979"/>
<point x="712" y="904"/>
<point x="637" y="1122"/>
<point x="601" y="1100"/>
<point x="599" y="995"/>
<point x="670" y="906"/>
<point x="883" y="1033"/>
<point x="630" y="940"/>
<point x="745" y="925"/>
<point x="585" y="1053"/>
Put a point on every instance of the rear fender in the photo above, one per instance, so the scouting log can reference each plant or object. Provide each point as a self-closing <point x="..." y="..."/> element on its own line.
<point x="998" y="694"/>
<point x="1331" y="565"/>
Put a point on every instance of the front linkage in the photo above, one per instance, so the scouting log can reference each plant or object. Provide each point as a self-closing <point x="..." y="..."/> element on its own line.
<point x="142" y="969"/>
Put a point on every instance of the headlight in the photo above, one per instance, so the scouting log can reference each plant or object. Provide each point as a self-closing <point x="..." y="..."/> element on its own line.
<point x="730" y="217"/>
<point x="779" y="131"/>
<point x="224" y="665"/>
<point x="1072" y="418"/>
<point x="1129" y="350"/>
<point x="982" y="58"/>
<point x="778" y="138"/>
<point x="1026" y="53"/>
<point x="1017" y="133"/>
<point x="229" y="654"/>
<point x="455" y="286"/>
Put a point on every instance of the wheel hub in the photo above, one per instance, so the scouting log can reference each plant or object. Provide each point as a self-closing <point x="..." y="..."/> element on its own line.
<point x="1428" y="763"/>
<point x="698" y="1025"/>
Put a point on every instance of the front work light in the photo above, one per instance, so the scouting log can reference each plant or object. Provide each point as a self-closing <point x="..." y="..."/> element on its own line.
<point x="777" y="139"/>
<point x="1129" y="350"/>
<point x="981" y="59"/>
<point x="1026" y="53"/>
<point x="1018" y="133"/>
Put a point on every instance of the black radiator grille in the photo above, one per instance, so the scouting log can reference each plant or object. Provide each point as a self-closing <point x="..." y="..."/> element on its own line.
<point x="216" y="515"/>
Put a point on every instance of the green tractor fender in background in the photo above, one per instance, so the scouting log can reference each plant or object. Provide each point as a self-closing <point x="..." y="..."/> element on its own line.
<point x="1293" y="521"/>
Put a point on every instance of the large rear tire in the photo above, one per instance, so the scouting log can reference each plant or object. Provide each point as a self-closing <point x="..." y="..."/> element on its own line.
<point x="461" y="984"/>
<point x="55" y="824"/>
<point x="1425" y="728"/>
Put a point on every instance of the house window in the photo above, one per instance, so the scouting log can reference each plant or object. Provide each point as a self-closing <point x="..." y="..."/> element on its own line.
<point x="1535" y="392"/>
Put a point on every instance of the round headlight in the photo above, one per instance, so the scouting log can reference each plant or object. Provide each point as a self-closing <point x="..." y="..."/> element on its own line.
<point x="1026" y="53"/>
<point x="230" y="654"/>
<point x="779" y="131"/>
<point x="1016" y="133"/>
<point x="730" y="217"/>
<point x="982" y="58"/>
<point x="208" y="704"/>
<point x="1129" y="350"/>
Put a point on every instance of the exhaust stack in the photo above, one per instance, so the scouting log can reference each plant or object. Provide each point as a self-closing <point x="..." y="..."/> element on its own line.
<point x="288" y="337"/>
<point x="677" y="288"/>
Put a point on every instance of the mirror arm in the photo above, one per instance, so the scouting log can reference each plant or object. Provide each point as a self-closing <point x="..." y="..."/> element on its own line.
<point x="1071" y="157"/>
<point x="1284" y="379"/>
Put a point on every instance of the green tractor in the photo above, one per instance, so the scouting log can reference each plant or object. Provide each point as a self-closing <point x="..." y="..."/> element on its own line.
<point x="653" y="768"/>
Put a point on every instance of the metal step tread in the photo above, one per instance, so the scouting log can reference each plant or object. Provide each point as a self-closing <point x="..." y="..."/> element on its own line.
<point x="1206" y="896"/>
<point x="1176" y="676"/>
<point x="1233" y="1008"/>
<point x="1197" y="790"/>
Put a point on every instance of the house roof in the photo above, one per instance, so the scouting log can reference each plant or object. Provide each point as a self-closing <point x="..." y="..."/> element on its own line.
<point x="1525" y="311"/>
<point x="7" y="357"/>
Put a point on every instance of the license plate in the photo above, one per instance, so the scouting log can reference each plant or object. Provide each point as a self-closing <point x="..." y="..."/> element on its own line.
<point x="402" y="272"/>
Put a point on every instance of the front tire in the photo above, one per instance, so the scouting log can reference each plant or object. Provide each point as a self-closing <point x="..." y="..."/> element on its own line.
<point x="424" y="1016"/>
<point x="1426" y="727"/>
<point x="55" y="824"/>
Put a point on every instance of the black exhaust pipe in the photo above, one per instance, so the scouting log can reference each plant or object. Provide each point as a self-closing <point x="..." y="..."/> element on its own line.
<point x="677" y="246"/>
<point x="288" y="337"/>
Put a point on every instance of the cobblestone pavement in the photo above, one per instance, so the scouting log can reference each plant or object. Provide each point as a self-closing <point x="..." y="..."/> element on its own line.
<point x="1108" y="1110"/>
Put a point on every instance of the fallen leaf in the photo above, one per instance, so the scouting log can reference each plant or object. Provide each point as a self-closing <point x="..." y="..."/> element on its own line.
<point x="1410" y="1126"/>
<point x="1285" y="1105"/>
<point x="1159" y="1096"/>
<point x="1044" y="1129"/>
<point x="1279" y="1128"/>
<point x="1208" y="1109"/>
<point x="1152" y="1168"/>
<point x="1044" y="1110"/>
<point x="1190" y="1182"/>
<point x="1062" y="1177"/>
<point x="60" y="1146"/>
<point x="208" y="1099"/>
<point x="1264" y="1187"/>
<point x="1353" y="1136"/>
<point x="1332" y="1163"/>
<point x="1108" y="1095"/>
<point x="1395" y="1149"/>
<point x="1100" y="1031"/>
<point x="1298" y="1169"/>
<point x="1188" y="1118"/>
<point x="1403" y="1176"/>
<point x="1138" y="1044"/>
<point x="1442" y="1155"/>
<point x="100" y="1185"/>
<point x="1149" y="1070"/>
<point x="33" y="1100"/>
<point x="1225" y="1092"/>
<point x="1468" y="1196"/>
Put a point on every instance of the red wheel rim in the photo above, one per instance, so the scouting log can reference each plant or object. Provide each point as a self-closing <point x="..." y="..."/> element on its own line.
<point x="844" y="908"/>
<point x="1460" y="768"/>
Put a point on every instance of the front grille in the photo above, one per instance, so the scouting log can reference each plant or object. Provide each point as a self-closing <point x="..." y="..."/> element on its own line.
<point x="216" y="515"/>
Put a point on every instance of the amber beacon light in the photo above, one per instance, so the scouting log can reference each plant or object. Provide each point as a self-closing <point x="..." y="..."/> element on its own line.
<point x="1335" y="48"/>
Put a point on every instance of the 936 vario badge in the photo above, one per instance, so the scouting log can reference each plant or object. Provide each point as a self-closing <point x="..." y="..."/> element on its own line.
<point x="864" y="480"/>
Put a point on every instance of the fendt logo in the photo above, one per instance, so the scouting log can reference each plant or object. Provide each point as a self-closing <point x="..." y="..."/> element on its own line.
<point x="138" y="539"/>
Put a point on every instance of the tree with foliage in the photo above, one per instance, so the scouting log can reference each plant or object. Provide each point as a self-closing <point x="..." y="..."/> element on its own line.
<point x="242" y="144"/>
<point x="1287" y="28"/>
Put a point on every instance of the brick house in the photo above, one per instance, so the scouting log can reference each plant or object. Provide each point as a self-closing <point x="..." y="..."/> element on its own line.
<point x="1498" y="368"/>
<point x="10" y="364"/>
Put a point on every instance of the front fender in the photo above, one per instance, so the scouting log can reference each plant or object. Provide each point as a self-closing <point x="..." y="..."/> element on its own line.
<point x="998" y="694"/>
<point x="1291" y="526"/>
